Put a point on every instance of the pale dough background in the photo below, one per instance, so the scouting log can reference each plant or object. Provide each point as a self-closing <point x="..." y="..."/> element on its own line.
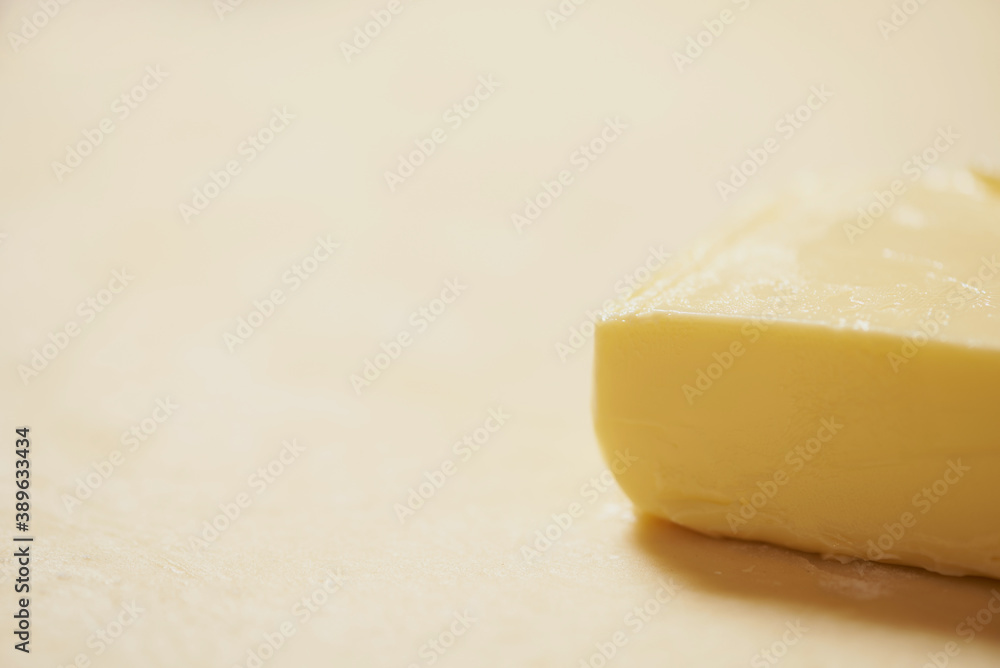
<point x="495" y="346"/>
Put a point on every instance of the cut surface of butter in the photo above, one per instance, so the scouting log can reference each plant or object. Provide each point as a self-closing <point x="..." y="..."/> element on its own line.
<point x="822" y="378"/>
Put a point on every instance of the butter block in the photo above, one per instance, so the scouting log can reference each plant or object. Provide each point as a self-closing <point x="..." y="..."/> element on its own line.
<point x="822" y="377"/>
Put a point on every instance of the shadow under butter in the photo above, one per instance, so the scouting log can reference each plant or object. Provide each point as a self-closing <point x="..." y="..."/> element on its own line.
<point x="896" y="596"/>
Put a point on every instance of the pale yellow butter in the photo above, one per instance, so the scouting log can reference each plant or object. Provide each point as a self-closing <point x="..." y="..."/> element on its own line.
<point x="822" y="380"/>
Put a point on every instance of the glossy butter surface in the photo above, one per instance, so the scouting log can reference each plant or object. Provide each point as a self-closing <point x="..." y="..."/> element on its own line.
<point x="820" y="380"/>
